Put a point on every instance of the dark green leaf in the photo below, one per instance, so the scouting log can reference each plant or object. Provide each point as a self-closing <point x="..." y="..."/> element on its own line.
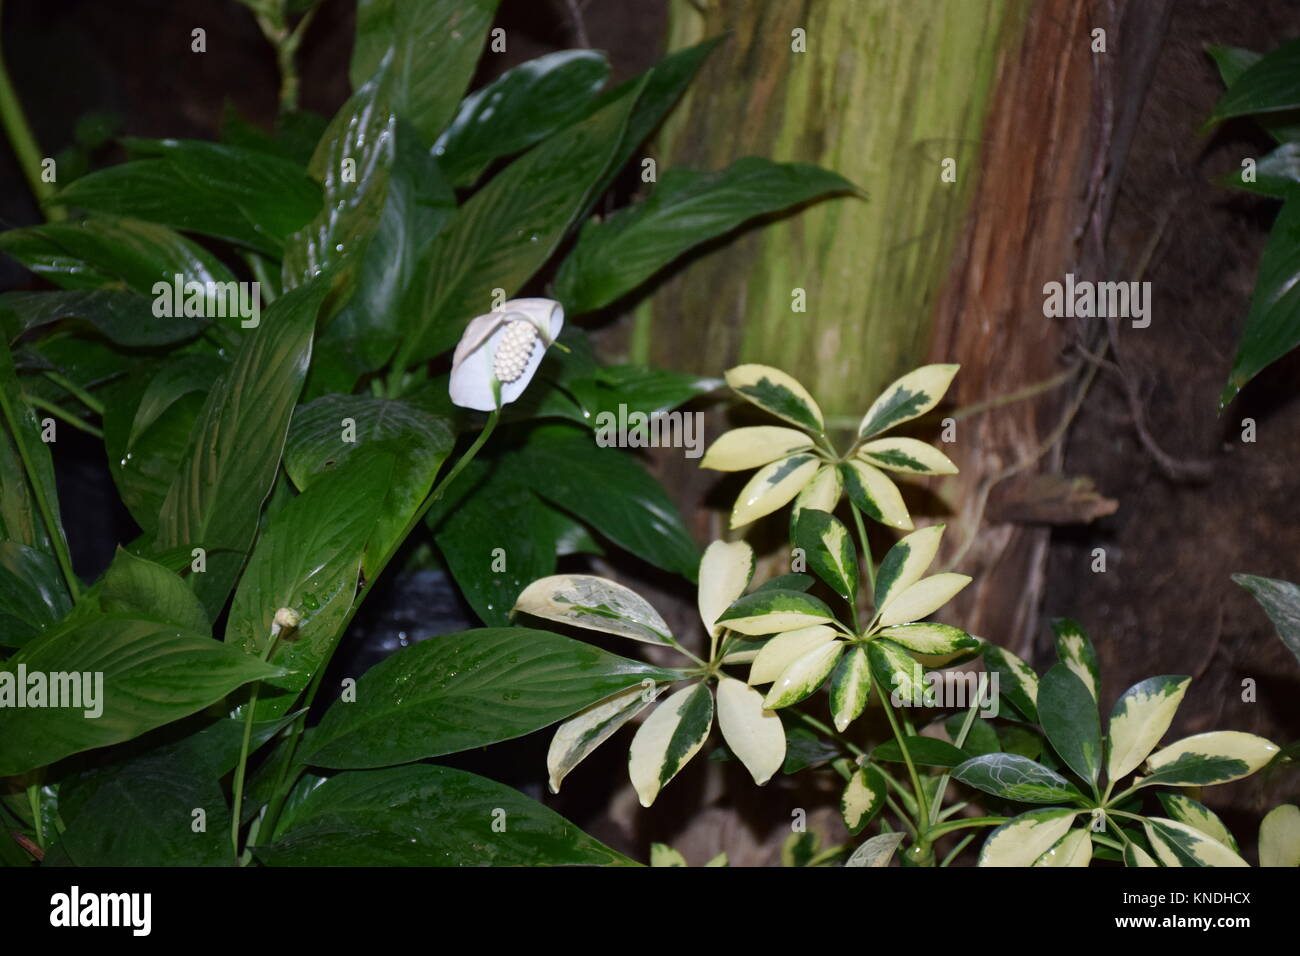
<point x="1269" y="85"/>
<point x="521" y="107"/>
<point x="465" y="690"/>
<point x="687" y="208"/>
<point x="24" y="458"/>
<point x="426" y="815"/>
<point x="435" y="43"/>
<point x="33" y="594"/>
<point x="152" y="674"/>
<point x="235" y="451"/>
<point x="925" y="751"/>
<point x="829" y="549"/>
<point x="124" y="318"/>
<point x="147" y="591"/>
<point x="1068" y="713"/>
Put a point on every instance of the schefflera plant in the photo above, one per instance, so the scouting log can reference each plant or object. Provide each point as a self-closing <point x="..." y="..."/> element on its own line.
<point x="1086" y="816"/>
<point x="677" y="728"/>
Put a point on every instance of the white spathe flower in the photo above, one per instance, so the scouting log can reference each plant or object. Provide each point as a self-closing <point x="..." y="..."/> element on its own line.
<point x="503" y="348"/>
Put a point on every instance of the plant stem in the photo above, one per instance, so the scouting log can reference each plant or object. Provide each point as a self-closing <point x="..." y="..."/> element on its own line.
<point x="831" y="732"/>
<point x="935" y="832"/>
<point x="866" y="549"/>
<point x="922" y="810"/>
<point x="34" y="799"/>
<point x="961" y="739"/>
<point x="23" y="142"/>
<point x="242" y="767"/>
<point x="961" y="845"/>
<point x="67" y="416"/>
<point x="42" y="499"/>
<point x="72" y="388"/>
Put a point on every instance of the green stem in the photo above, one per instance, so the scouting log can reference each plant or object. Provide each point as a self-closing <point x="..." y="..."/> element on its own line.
<point x="59" y="412"/>
<point x="831" y="732"/>
<point x="961" y="845"/>
<point x="72" y="388"/>
<point x="959" y="742"/>
<point x="903" y="818"/>
<point x="935" y="832"/>
<point x="242" y="767"/>
<point x="34" y="799"/>
<point x="923" y="813"/>
<point x="866" y="549"/>
<point x="23" y="142"/>
<point x="42" y="499"/>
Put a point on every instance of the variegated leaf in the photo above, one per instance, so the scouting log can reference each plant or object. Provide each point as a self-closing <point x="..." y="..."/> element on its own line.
<point x="1014" y="777"/>
<point x="907" y="455"/>
<point x="1279" y="837"/>
<point x="863" y="797"/>
<point x="923" y="598"/>
<point x="1139" y="719"/>
<point x="1205" y="759"/>
<point x="874" y="494"/>
<point x="595" y="603"/>
<point x="804" y="675"/>
<point x="1177" y="844"/>
<point x="1137" y="857"/>
<point x="661" y="854"/>
<point x="772" y="487"/>
<point x="930" y="638"/>
<point x="1073" y="849"/>
<point x="784" y="649"/>
<point x="1075" y="651"/>
<point x="670" y="737"/>
<point x="754" y="734"/>
<point x="1017" y="681"/>
<point x="850" y="687"/>
<point x="774" y="391"/>
<point x="1184" y="809"/>
<point x="725" y="572"/>
<point x="822" y="493"/>
<point x="829" y="549"/>
<point x="771" y="611"/>
<point x="906" y="562"/>
<point x="1023" y="839"/>
<point x="898" y="673"/>
<point x="877" y="851"/>
<point x="909" y="397"/>
<point x="743" y="448"/>
<point x="580" y="735"/>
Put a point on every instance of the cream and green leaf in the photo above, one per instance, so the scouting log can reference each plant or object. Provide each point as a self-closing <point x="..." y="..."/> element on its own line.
<point x="595" y="603"/>
<point x="863" y="797"/>
<point x="1022" y="840"/>
<point x="670" y="737"/>
<point x="1139" y="719"/>
<point x="830" y="551"/>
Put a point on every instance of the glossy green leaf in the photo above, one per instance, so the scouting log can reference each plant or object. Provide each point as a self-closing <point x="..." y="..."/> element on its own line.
<point x="326" y="433"/>
<point x="308" y="560"/>
<point x="244" y="196"/>
<point x="33" y="594"/>
<point x="138" y="587"/>
<point x="152" y="674"/>
<point x="616" y="255"/>
<point x="436" y="45"/>
<point x="215" y="500"/>
<point x="510" y="227"/>
<point x="1067" y="711"/>
<point x="427" y="815"/>
<point x="352" y="163"/>
<point x="521" y="107"/>
<point x="466" y="690"/>
<point x="1269" y="85"/>
<point x="98" y="250"/>
<point x="24" y="458"/>
<point x="123" y="318"/>
<point x="924" y="751"/>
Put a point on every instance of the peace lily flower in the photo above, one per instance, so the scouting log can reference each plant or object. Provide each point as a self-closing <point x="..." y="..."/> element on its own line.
<point x="800" y="464"/>
<point x="499" y="352"/>
<point x="676" y="729"/>
<point x="896" y="646"/>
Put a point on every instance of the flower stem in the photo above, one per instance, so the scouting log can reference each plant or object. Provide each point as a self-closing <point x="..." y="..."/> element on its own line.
<point x="242" y="767"/>
<point x="24" y="143"/>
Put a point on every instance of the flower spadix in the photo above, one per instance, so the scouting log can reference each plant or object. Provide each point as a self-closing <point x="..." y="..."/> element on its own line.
<point x="500" y="352"/>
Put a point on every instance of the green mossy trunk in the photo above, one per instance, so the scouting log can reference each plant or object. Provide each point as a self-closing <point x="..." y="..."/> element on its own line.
<point x="886" y="91"/>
